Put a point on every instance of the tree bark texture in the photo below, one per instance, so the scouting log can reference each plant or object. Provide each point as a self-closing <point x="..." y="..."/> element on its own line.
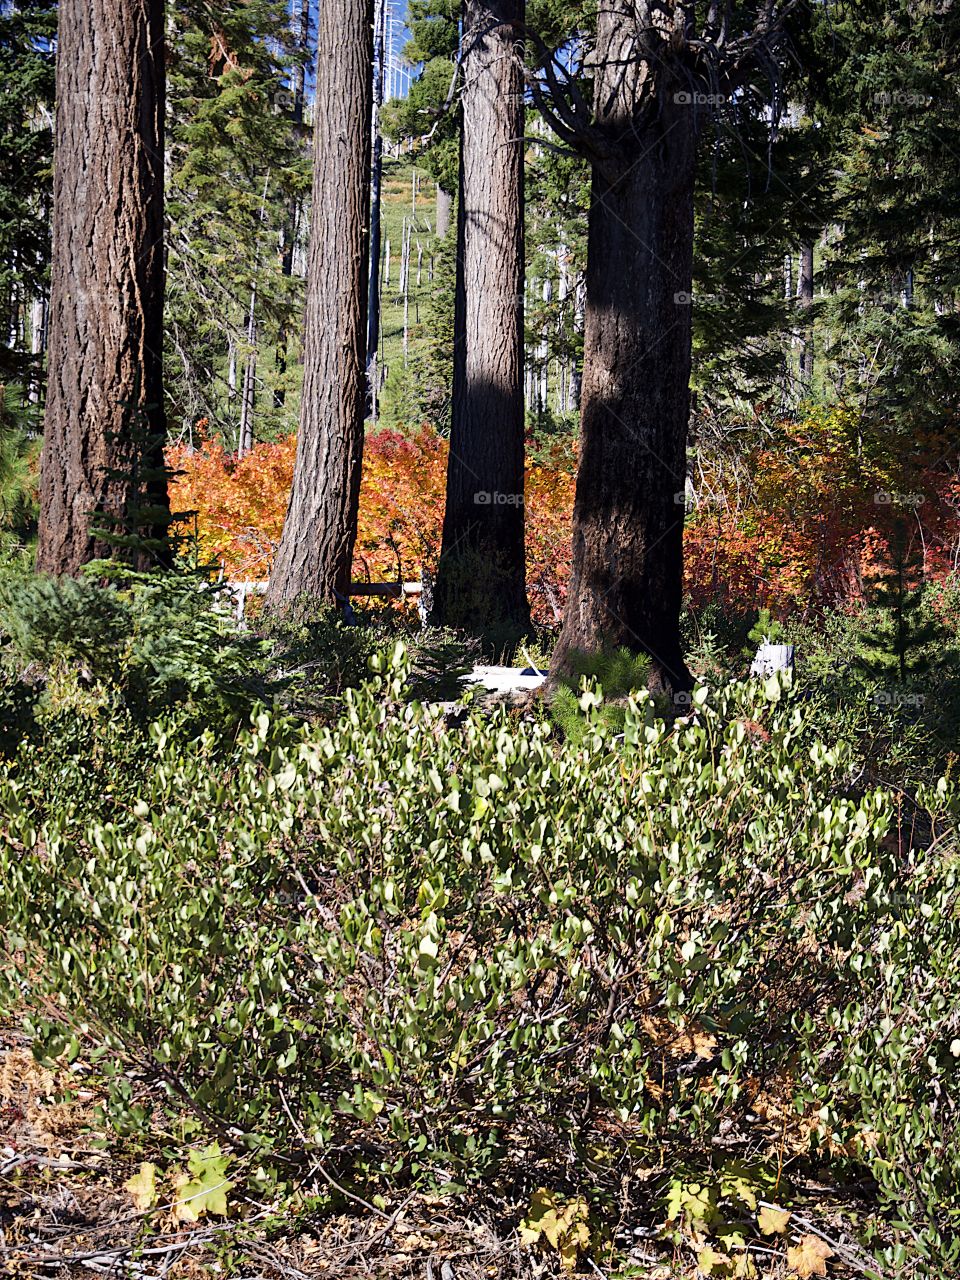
<point x="316" y="549"/>
<point x="105" y="424"/>
<point x="481" y="578"/>
<point x="627" y="573"/>
<point x="292" y="223"/>
<point x="376" y="184"/>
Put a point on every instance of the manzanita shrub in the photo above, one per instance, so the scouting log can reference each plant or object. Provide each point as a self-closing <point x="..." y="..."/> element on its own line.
<point x="395" y="945"/>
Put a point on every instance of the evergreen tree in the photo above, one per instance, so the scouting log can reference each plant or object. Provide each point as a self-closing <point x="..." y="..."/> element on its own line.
<point x="895" y="643"/>
<point x="316" y="549"/>
<point x="19" y="449"/>
<point x="27" y="31"/>
<point x="887" y="97"/>
<point x="107" y="285"/>
<point x="238" y="166"/>
<point x="657" y="74"/>
<point x="481" y="574"/>
<point x="429" y="111"/>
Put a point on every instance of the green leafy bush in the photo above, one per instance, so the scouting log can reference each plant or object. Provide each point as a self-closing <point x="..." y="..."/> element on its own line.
<point x="395" y="945"/>
<point x="902" y="732"/>
<point x="20" y="430"/>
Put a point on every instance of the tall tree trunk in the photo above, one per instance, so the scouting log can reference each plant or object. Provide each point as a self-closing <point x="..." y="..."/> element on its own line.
<point x="105" y="426"/>
<point x="481" y="579"/>
<point x="317" y="545"/>
<point x="627" y="574"/>
<point x="248" y="396"/>
<point x="292" y="222"/>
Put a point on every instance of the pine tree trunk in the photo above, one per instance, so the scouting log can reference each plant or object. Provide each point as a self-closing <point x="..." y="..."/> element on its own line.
<point x="481" y="578"/>
<point x="289" y="229"/>
<point x="105" y="424"/>
<point x="627" y="573"/>
<point x="317" y="545"/>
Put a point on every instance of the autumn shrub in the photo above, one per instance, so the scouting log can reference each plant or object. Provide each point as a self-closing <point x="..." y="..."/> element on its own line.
<point x="240" y="506"/>
<point x="398" y="948"/>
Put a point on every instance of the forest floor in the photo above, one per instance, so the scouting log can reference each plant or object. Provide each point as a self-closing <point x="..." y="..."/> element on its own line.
<point x="65" y="1210"/>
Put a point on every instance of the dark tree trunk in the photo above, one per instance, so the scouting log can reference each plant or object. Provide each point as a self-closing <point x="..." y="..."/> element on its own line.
<point x="317" y="544"/>
<point x="481" y="580"/>
<point x="102" y="461"/>
<point x="444" y="206"/>
<point x="805" y="294"/>
<point x="626" y="583"/>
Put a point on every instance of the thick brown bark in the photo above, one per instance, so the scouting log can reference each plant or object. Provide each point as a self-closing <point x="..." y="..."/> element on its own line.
<point x="376" y="184"/>
<point x="626" y="583"/>
<point x="481" y="582"/>
<point x="105" y="428"/>
<point x="317" y="544"/>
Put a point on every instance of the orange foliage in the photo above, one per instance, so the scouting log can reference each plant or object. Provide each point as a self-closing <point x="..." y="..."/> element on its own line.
<point x="818" y="516"/>
<point x="240" y="507"/>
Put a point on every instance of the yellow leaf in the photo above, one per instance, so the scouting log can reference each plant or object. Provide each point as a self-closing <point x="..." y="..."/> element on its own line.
<point x="143" y="1187"/>
<point x="773" y="1221"/>
<point x="704" y="1044"/>
<point x="562" y="1225"/>
<point x="183" y="1209"/>
<point x="708" y="1259"/>
<point x="552" y="1227"/>
<point x="808" y="1257"/>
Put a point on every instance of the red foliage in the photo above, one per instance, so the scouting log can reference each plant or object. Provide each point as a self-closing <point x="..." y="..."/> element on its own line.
<point x="240" y="507"/>
<point x="816" y="521"/>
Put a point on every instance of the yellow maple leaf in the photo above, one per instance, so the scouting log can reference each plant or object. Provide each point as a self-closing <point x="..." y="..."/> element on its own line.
<point x="143" y="1186"/>
<point x="708" y="1259"/>
<point x="808" y="1257"/>
<point x="772" y="1221"/>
